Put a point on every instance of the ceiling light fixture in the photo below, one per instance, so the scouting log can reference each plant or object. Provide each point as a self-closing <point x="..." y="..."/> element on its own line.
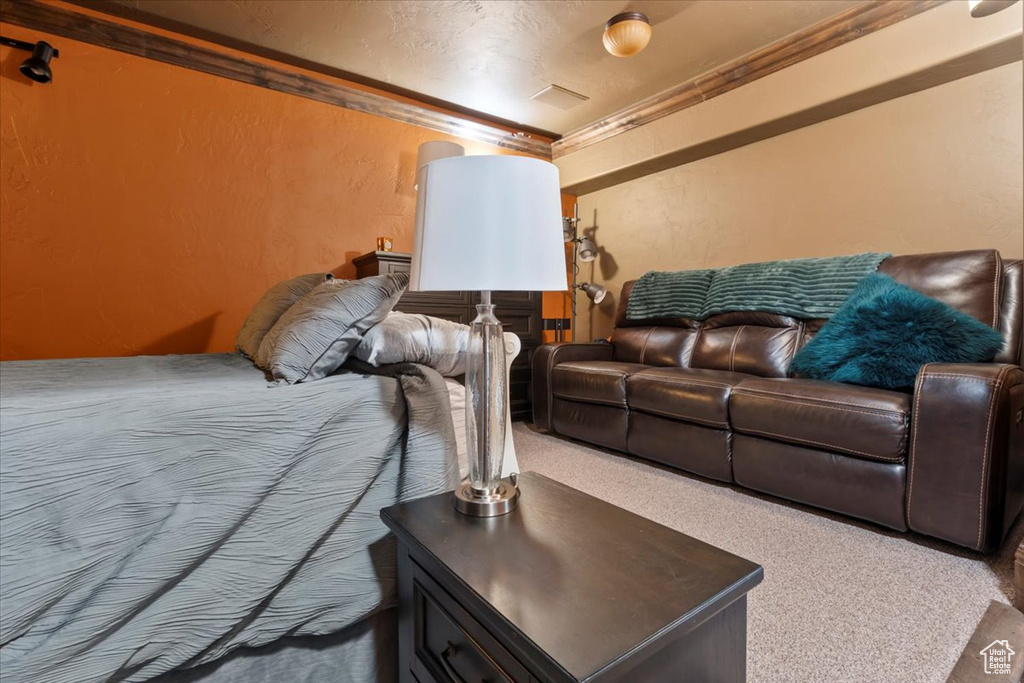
<point x="627" y="34"/>
<point x="983" y="8"/>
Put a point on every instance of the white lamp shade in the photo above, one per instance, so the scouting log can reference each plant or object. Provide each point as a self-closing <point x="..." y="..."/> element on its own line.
<point x="432" y="151"/>
<point x="438" y="149"/>
<point x="488" y="223"/>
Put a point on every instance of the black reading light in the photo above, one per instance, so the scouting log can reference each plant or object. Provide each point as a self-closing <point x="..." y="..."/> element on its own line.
<point x="36" y="67"/>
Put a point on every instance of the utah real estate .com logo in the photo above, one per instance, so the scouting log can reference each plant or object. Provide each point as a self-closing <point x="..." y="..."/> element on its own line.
<point x="997" y="657"/>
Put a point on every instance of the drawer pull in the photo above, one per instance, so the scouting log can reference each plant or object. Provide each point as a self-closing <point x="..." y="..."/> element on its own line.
<point x="448" y="668"/>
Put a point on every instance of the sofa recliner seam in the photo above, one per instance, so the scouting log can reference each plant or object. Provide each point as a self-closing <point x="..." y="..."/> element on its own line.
<point x="841" y="449"/>
<point x="683" y="418"/>
<point x="581" y="399"/>
<point x="755" y="393"/>
<point x="596" y="371"/>
<point x="842" y="408"/>
<point x="672" y="380"/>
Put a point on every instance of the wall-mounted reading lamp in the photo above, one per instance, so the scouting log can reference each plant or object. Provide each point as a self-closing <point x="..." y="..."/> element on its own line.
<point x="36" y="67"/>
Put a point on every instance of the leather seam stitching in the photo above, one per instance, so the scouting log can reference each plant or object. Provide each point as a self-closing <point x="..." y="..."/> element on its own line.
<point x="755" y="392"/>
<point x="974" y="378"/>
<point x="841" y="449"/>
<point x="985" y="455"/>
<point x="995" y="291"/>
<point x="918" y="388"/>
<point x="732" y="349"/>
<point x="643" y="349"/>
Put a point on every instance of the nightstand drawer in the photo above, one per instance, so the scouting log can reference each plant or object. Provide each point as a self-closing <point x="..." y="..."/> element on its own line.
<point x="449" y="646"/>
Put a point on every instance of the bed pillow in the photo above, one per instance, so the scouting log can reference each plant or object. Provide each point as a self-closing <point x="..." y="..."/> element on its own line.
<point x="316" y="335"/>
<point x="269" y="309"/>
<point x="884" y="332"/>
<point x="414" y="338"/>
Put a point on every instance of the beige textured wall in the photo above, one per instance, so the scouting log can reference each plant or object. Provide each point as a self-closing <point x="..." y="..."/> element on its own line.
<point x="937" y="170"/>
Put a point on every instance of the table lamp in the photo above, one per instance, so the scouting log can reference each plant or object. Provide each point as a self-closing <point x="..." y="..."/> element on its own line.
<point x="487" y="223"/>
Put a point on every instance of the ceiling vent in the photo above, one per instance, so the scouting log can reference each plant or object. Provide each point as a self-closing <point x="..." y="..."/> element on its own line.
<point x="556" y="96"/>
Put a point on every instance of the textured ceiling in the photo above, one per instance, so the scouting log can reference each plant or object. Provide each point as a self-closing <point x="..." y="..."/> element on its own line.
<point x="490" y="56"/>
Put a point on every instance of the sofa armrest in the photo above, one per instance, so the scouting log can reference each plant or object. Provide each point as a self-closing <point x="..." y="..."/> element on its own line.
<point x="545" y="358"/>
<point x="965" y="479"/>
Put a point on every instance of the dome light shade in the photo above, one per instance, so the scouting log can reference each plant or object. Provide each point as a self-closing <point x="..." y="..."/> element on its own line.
<point x="983" y="8"/>
<point x="627" y="34"/>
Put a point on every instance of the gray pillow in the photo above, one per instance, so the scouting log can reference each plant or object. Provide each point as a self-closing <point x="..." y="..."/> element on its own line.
<point x="316" y="335"/>
<point x="415" y="338"/>
<point x="271" y="307"/>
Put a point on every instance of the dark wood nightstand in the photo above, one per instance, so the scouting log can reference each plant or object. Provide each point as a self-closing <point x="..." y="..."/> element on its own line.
<point x="565" y="588"/>
<point x="519" y="312"/>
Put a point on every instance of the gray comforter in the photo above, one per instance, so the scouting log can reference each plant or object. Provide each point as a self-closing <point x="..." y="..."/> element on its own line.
<point x="159" y="512"/>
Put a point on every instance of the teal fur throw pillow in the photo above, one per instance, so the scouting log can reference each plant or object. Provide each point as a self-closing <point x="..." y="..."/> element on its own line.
<point x="884" y="332"/>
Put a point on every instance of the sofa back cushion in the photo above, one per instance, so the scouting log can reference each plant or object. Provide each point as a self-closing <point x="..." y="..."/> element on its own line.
<point x="969" y="281"/>
<point x="666" y="342"/>
<point x="655" y="345"/>
<point x="755" y="343"/>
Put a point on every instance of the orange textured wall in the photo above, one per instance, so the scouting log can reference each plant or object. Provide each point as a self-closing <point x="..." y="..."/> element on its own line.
<point x="558" y="304"/>
<point x="145" y="207"/>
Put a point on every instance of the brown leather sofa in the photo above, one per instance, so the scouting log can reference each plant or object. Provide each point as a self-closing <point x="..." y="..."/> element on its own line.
<point x="712" y="397"/>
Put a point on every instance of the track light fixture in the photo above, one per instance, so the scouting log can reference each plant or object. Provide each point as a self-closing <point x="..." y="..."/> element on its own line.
<point x="36" y="67"/>
<point x="587" y="250"/>
<point x="584" y="251"/>
<point x="595" y="293"/>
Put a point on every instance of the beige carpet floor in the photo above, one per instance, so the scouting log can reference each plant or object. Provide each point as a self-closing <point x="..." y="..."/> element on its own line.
<point x="841" y="600"/>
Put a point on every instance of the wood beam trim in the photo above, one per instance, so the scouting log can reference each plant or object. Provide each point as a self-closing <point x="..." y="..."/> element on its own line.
<point x="1005" y="52"/>
<point x="95" y="31"/>
<point x="136" y="13"/>
<point x="854" y="23"/>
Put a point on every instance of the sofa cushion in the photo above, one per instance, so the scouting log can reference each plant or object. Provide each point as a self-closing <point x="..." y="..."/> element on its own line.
<point x="656" y="345"/>
<point x="861" y="421"/>
<point x="687" y="394"/>
<point x="593" y="381"/>
<point x="760" y="344"/>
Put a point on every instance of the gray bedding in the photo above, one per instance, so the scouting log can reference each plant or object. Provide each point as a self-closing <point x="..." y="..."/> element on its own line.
<point x="160" y="512"/>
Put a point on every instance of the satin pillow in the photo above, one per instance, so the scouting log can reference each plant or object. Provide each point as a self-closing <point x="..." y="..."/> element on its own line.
<point x="414" y="338"/>
<point x="316" y="335"/>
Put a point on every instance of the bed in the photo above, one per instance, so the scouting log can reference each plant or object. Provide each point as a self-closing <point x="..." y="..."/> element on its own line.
<point x="180" y="518"/>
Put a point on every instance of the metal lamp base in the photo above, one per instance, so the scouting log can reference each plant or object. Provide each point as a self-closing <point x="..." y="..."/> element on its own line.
<point x="475" y="503"/>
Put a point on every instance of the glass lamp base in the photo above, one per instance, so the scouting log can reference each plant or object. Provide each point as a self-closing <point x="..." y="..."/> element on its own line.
<point x="476" y="503"/>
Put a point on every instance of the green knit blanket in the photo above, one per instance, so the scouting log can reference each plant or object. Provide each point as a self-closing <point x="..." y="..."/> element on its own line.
<point x="802" y="288"/>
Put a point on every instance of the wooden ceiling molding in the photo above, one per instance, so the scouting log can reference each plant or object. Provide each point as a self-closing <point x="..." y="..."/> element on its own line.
<point x="128" y="39"/>
<point x="854" y="23"/>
